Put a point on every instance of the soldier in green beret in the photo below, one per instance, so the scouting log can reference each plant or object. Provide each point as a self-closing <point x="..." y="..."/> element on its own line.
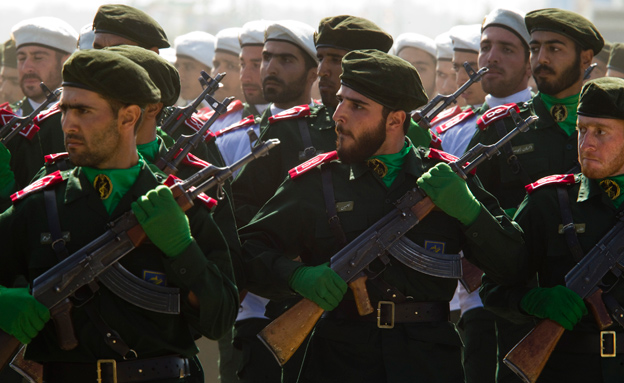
<point x="10" y="90"/>
<point x="601" y="60"/>
<point x="105" y="96"/>
<point x="615" y="66"/>
<point x="594" y="203"/>
<point x="289" y="242"/>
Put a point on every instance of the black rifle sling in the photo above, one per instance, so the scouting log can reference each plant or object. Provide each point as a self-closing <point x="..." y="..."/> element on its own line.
<point x="308" y="149"/>
<point x="512" y="159"/>
<point x="330" y="206"/>
<point x="83" y="296"/>
<point x="569" y="230"/>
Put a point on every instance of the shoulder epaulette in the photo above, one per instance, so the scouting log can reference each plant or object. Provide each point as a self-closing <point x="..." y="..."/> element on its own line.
<point x="196" y="124"/>
<point x="312" y="163"/>
<point x="44" y="115"/>
<point x="439" y="155"/>
<point x="448" y="113"/>
<point x="247" y="121"/>
<point x="192" y="160"/>
<point x="496" y="114"/>
<point x="28" y="131"/>
<point x="7" y="106"/>
<point x="555" y="179"/>
<point x="292" y="113"/>
<point x="436" y="142"/>
<point x="454" y="121"/>
<point x="206" y="113"/>
<point x="52" y="158"/>
<point x="40" y="184"/>
<point x="207" y="201"/>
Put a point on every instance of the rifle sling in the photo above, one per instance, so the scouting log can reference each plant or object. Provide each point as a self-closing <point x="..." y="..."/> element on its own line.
<point x="308" y="149"/>
<point x="330" y="206"/>
<point x="111" y="337"/>
<point x="568" y="224"/>
<point x="512" y="159"/>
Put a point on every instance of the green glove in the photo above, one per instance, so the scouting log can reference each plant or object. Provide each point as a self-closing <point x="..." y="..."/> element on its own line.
<point x="558" y="303"/>
<point x="21" y="315"/>
<point x="449" y="192"/>
<point x="7" y="179"/>
<point x="164" y="222"/>
<point x="319" y="284"/>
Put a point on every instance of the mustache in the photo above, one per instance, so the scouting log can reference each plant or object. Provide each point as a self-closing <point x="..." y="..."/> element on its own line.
<point x="250" y="85"/>
<point x="340" y="130"/>
<point x="74" y="137"/>
<point x="28" y="76"/>
<point x="274" y="79"/>
<point x="545" y="69"/>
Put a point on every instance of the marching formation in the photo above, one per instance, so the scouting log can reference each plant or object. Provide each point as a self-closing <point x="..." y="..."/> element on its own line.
<point x="331" y="204"/>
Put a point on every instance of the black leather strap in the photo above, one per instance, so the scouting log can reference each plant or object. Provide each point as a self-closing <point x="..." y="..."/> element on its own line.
<point x="582" y="342"/>
<point x="330" y="206"/>
<point x="569" y="231"/>
<point x="308" y="149"/>
<point x="512" y="159"/>
<point x="406" y="312"/>
<point x="54" y="224"/>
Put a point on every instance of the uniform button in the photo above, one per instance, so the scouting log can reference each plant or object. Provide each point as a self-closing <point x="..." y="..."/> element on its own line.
<point x="183" y="271"/>
<point x="569" y="146"/>
<point x="475" y="235"/>
<point x="387" y="201"/>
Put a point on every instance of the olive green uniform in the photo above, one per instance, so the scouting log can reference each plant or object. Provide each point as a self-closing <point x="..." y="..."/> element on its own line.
<point x="293" y="224"/>
<point x="577" y="357"/>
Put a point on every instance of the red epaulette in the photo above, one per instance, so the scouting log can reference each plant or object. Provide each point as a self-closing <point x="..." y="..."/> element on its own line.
<point x="312" y="163"/>
<point x="448" y="113"/>
<point x="194" y="161"/>
<point x="247" y="121"/>
<point x="207" y="201"/>
<point x="444" y="157"/>
<point x="454" y="121"/>
<point x="52" y="158"/>
<point x="436" y="142"/>
<point x="289" y="114"/>
<point x="47" y="113"/>
<point x="555" y="179"/>
<point x="496" y="114"/>
<point x="207" y="112"/>
<point x="196" y="124"/>
<point x="28" y="131"/>
<point x="6" y="106"/>
<point x="40" y="184"/>
<point x="317" y="102"/>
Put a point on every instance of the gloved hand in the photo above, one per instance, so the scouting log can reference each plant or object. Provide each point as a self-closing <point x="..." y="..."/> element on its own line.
<point x="21" y="315"/>
<point x="164" y="222"/>
<point x="7" y="179"/>
<point x="558" y="303"/>
<point x="319" y="284"/>
<point x="449" y="192"/>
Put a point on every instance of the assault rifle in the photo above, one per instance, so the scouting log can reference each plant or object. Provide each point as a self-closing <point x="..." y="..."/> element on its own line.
<point x="528" y="358"/>
<point x="16" y="124"/>
<point x="55" y="287"/>
<point x="424" y="115"/>
<point x="285" y="334"/>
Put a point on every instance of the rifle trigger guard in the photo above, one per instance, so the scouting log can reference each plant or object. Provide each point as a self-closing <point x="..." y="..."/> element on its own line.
<point x="220" y="192"/>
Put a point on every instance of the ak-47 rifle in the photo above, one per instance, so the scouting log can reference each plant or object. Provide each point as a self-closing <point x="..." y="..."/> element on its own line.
<point x="55" y="287"/>
<point x="589" y="70"/>
<point x="13" y="127"/>
<point x="424" y="115"/>
<point x="180" y="114"/>
<point x="528" y="358"/>
<point x="285" y="334"/>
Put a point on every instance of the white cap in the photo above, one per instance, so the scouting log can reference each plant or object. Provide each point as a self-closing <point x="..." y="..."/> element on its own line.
<point x="444" y="46"/>
<point x="508" y="19"/>
<point x="197" y="45"/>
<point x="252" y="33"/>
<point x="295" y="32"/>
<point x="227" y="41"/>
<point x="86" y="37"/>
<point x="466" y="38"/>
<point x="414" y="40"/>
<point x="168" y="54"/>
<point x="47" y="31"/>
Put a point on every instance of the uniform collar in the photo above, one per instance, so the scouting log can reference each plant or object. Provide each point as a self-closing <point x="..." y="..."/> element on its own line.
<point x="413" y="166"/>
<point x="545" y="119"/>
<point x="522" y="96"/>
<point x="590" y="189"/>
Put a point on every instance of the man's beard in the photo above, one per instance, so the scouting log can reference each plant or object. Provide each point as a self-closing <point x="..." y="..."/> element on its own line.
<point x="289" y="92"/>
<point x="610" y="169"/>
<point x="501" y="88"/>
<point x="365" y="146"/>
<point x="105" y="143"/>
<point x="566" y="79"/>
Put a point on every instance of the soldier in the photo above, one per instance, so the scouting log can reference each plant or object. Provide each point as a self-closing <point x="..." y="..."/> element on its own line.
<point x="10" y="90"/>
<point x="420" y="51"/>
<point x="103" y="96"/>
<point x="593" y="203"/>
<point x="251" y="39"/>
<point x="615" y="66"/>
<point x="445" y="76"/>
<point x="371" y="124"/>
<point x="194" y="53"/>
<point x="227" y="50"/>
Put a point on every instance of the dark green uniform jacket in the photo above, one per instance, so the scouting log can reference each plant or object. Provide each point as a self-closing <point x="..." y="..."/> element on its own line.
<point x="293" y="223"/>
<point x="544" y="150"/>
<point x="204" y="268"/>
<point x="549" y="257"/>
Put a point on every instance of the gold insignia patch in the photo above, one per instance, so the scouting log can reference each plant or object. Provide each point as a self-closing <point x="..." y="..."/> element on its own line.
<point x="559" y="112"/>
<point x="103" y="185"/>
<point x="378" y="167"/>
<point x="611" y="188"/>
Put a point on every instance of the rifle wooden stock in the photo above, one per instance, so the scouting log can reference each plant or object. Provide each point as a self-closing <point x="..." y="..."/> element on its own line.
<point x="285" y="334"/>
<point x="471" y="276"/>
<point x="528" y="358"/>
<point x="599" y="310"/>
<point x="360" y="293"/>
<point x="9" y="345"/>
<point x="61" y="315"/>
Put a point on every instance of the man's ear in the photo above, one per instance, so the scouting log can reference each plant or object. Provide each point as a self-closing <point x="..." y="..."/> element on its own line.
<point x="395" y="121"/>
<point x="152" y="110"/>
<point x="128" y="117"/>
<point x="587" y="56"/>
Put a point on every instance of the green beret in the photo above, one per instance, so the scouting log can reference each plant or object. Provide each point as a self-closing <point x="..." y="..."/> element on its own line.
<point x="164" y="75"/>
<point x="9" y="54"/>
<point x="111" y="75"/>
<point x="386" y="79"/>
<point x="130" y="23"/>
<point x="616" y="58"/>
<point x="605" y="52"/>
<point x="567" y="23"/>
<point x="351" y="33"/>
<point x="603" y="98"/>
